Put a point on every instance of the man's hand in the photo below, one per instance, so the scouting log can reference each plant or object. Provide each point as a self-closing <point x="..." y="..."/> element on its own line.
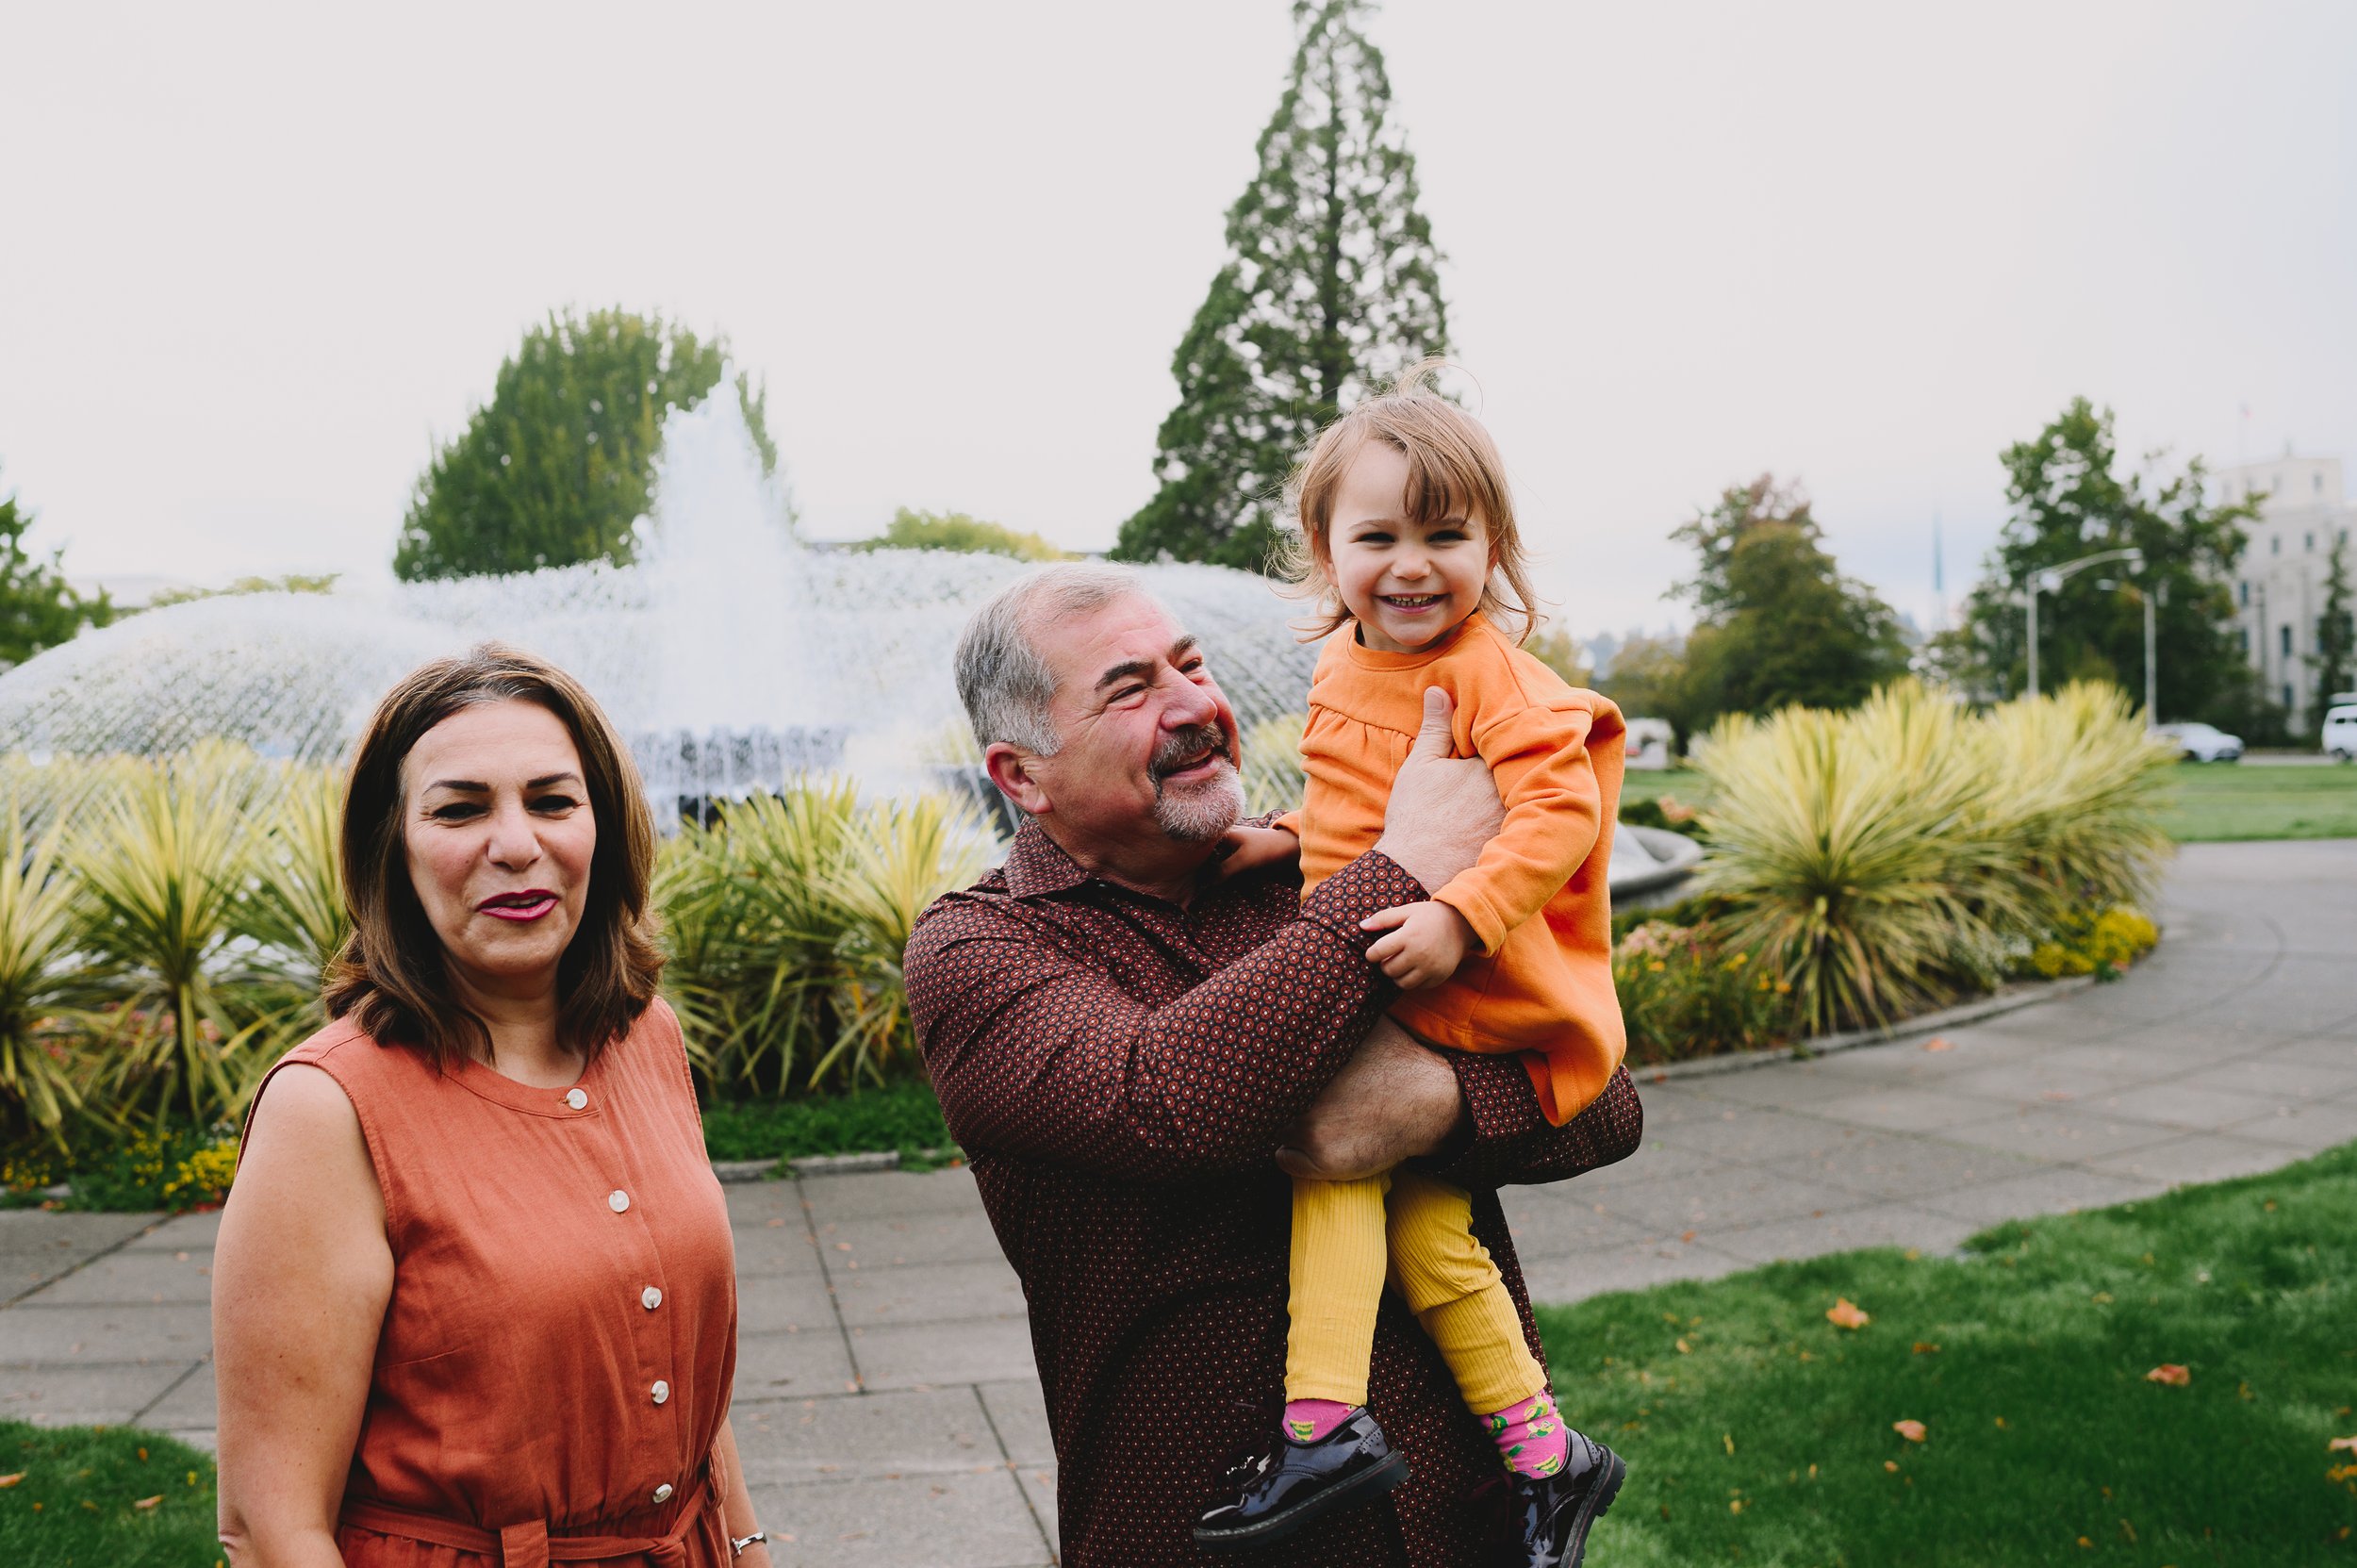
<point x="1443" y="810"/>
<point x="1396" y="1100"/>
<point x="1425" y="944"/>
<point x="1257" y="849"/>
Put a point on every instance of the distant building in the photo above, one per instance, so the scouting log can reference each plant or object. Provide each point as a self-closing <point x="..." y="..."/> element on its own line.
<point x="2279" y="591"/>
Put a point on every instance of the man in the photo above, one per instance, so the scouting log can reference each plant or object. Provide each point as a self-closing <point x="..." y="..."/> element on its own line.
<point x="1134" y="1052"/>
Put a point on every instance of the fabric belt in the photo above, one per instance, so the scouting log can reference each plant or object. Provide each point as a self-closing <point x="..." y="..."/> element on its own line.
<point x="529" y="1545"/>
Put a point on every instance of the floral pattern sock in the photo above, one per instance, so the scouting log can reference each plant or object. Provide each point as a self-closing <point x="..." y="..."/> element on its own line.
<point x="1530" y="1436"/>
<point x="1307" y="1420"/>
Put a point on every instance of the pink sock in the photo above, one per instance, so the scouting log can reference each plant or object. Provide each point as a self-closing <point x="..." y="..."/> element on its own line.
<point x="1307" y="1420"/>
<point x="1530" y="1436"/>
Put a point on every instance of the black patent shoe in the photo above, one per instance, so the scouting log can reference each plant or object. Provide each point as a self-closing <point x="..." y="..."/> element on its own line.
<point x="1289" y="1484"/>
<point x="1553" y="1513"/>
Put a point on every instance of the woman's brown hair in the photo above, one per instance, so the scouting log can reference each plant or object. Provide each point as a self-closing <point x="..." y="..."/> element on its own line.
<point x="1453" y="469"/>
<point x="391" y="978"/>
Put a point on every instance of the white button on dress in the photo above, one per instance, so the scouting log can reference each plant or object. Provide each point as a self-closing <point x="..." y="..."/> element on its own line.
<point x="576" y="1097"/>
<point x="663" y="1493"/>
<point x="651" y="1299"/>
<point x="617" y="1201"/>
<point x="661" y="1391"/>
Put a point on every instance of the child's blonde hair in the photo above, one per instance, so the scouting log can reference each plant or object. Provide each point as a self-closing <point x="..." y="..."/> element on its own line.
<point x="1453" y="469"/>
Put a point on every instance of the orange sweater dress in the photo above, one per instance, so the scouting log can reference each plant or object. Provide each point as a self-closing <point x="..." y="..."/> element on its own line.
<point x="1537" y="900"/>
<point x="556" y="1357"/>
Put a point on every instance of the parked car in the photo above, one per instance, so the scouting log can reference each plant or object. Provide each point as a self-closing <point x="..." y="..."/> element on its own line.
<point x="2339" y="738"/>
<point x="2202" y="743"/>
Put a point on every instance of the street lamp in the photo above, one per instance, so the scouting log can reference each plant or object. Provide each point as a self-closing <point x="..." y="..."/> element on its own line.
<point x="2152" y="698"/>
<point x="2052" y="578"/>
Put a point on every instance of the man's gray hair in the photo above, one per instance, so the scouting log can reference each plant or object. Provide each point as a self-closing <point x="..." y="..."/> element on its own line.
<point x="1004" y="683"/>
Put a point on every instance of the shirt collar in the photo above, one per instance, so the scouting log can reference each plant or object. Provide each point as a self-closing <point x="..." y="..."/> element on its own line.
<point x="1038" y="866"/>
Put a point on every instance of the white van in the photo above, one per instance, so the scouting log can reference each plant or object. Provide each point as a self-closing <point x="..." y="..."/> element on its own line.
<point x="2339" y="738"/>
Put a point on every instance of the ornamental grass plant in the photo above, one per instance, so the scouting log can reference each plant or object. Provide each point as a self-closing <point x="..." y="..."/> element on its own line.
<point x="1884" y="860"/>
<point x="785" y="921"/>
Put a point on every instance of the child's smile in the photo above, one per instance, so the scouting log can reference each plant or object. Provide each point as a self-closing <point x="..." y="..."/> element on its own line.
<point x="1409" y="583"/>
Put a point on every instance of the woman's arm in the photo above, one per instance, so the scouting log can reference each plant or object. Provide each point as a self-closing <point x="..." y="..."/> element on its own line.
<point x="736" y="1499"/>
<point x="302" y="1274"/>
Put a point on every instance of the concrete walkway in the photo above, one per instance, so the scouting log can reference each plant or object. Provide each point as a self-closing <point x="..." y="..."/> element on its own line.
<point x="886" y="1403"/>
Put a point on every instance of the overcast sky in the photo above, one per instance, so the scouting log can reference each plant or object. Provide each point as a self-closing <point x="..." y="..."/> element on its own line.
<point x="258" y="259"/>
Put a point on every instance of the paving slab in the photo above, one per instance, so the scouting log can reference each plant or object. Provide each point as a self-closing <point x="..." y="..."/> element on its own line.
<point x="2047" y="1190"/>
<point x="795" y="1364"/>
<point x="85" y="1395"/>
<point x="1882" y="1225"/>
<point x="38" y="1335"/>
<point x="1020" y="1415"/>
<point x="2197" y="1157"/>
<point x="946" y="1293"/>
<point x="988" y="1349"/>
<point x="909" y="1430"/>
<point x="892" y="1195"/>
<point x="180" y="1233"/>
<point x="126" y="1278"/>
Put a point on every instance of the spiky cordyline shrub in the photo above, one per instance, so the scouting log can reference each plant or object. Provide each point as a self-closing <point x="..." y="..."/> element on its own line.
<point x="2077" y="789"/>
<point x="1883" y="857"/>
<point x="294" y="908"/>
<point x="785" y="923"/>
<point x="161" y="861"/>
<point x="44" y="1019"/>
<point x="1851" y="848"/>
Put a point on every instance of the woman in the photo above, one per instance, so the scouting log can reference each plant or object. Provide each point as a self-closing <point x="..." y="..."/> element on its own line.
<point x="474" y="1301"/>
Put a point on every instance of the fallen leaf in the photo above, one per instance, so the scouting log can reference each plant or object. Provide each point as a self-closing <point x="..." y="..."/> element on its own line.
<point x="1925" y="1348"/>
<point x="1844" y="1314"/>
<point x="2101" y="1298"/>
<point x="1912" y="1430"/>
<point x="2340" y="1473"/>
<point x="1939" y="1042"/>
<point x="2001" y="1421"/>
<point x="142" y="1455"/>
<point x="2339" y="1444"/>
<point x="1890" y="1464"/>
<point x="1728" y="1438"/>
<point x="8" y="1482"/>
<point x="145" y="1503"/>
<point x="2169" y="1372"/>
<point x="1684" y="1348"/>
<point x="2084" y="1541"/>
<point x="1686" y="1236"/>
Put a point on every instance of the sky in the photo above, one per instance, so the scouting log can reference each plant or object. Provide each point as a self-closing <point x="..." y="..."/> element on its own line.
<point x="259" y="259"/>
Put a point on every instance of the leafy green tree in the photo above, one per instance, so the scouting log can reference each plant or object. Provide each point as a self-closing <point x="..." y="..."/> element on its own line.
<point x="1331" y="286"/>
<point x="2068" y="500"/>
<point x="1647" y="679"/>
<point x="2336" y="658"/>
<point x="1555" y="648"/>
<point x="39" y="608"/>
<point x="554" y="470"/>
<point x="1778" y="624"/>
<point x="914" y="530"/>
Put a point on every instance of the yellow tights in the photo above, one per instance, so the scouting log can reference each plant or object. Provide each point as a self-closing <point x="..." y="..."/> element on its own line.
<point x="1415" y="1234"/>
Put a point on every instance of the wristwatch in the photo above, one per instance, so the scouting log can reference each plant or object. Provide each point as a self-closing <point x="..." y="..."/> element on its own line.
<point x="738" y="1542"/>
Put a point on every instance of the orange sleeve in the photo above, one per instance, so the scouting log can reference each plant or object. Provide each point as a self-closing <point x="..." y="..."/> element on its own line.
<point x="1538" y="752"/>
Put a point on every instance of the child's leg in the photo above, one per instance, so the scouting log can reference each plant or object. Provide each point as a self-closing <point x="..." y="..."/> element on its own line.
<point x="1337" y="1268"/>
<point x="1456" y="1292"/>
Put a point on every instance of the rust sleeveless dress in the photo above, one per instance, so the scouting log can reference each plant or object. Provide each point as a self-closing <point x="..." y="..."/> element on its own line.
<point x="557" y="1357"/>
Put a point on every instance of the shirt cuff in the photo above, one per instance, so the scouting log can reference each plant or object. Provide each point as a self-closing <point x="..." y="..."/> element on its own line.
<point x="1367" y="885"/>
<point x="1500" y="1099"/>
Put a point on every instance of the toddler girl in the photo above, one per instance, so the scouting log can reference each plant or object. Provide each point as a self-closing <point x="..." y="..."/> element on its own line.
<point x="1408" y="539"/>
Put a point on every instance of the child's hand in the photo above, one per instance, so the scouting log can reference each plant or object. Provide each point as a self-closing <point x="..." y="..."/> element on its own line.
<point x="1257" y="849"/>
<point x="1427" y="941"/>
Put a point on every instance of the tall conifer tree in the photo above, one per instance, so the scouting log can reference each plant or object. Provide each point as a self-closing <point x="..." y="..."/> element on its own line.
<point x="1332" y="284"/>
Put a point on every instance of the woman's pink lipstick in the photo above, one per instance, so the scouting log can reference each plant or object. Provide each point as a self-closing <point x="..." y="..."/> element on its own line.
<point x="528" y="906"/>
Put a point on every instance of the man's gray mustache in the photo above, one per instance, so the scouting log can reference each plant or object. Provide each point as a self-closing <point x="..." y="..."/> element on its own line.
<point x="1185" y="746"/>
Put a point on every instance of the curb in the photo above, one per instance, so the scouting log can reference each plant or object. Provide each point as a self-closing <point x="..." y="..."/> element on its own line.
<point x="2008" y="998"/>
<point x="812" y="1164"/>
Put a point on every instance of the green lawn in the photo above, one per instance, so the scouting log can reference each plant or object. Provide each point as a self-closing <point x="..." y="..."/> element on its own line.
<point x="1759" y="1432"/>
<point x="73" y="1496"/>
<point x="1641" y="783"/>
<point x="2222" y="801"/>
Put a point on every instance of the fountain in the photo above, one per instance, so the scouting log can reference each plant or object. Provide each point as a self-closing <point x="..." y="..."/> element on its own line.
<point x="733" y="656"/>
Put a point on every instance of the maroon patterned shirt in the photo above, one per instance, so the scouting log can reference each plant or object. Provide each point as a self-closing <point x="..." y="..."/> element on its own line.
<point x="1121" y="1070"/>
